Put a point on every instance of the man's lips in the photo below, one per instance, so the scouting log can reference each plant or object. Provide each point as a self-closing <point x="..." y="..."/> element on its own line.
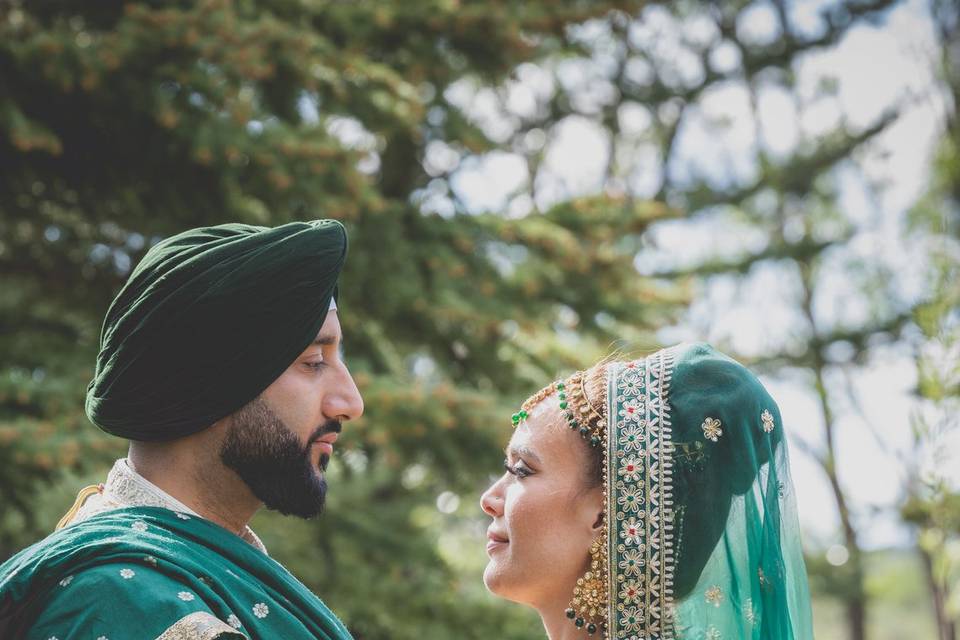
<point x="326" y="443"/>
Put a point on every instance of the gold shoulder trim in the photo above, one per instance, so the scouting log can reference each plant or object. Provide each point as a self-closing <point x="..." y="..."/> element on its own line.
<point x="82" y="497"/>
<point x="199" y="625"/>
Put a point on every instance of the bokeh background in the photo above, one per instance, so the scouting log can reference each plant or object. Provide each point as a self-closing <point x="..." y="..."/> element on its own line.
<point x="528" y="185"/>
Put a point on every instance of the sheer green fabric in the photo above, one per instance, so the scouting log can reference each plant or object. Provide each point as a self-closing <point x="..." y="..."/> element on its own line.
<point x="702" y="532"/>
<point x="138" y="572"/>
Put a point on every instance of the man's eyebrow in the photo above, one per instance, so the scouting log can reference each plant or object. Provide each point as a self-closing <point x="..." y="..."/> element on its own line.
<point x="326" y="340"/>
<point x="522" y="452"/>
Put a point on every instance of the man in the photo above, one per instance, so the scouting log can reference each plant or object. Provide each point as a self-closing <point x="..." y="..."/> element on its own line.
<point x="219" y="360"/>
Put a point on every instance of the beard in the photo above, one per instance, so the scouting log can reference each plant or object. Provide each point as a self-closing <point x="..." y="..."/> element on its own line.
<point x="270" y="459"/>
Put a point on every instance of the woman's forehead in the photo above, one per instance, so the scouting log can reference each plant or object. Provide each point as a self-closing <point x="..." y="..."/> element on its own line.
<point x="542" y="435"/>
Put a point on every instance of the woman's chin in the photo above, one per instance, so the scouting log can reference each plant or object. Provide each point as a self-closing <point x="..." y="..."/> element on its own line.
<point x="495" y="580"/>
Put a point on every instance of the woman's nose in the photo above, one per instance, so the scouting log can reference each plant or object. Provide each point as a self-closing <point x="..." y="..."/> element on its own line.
<point x="492" y="500"/>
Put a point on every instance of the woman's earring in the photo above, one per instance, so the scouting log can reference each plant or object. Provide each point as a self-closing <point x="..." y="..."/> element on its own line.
<point x="589" y="605"/>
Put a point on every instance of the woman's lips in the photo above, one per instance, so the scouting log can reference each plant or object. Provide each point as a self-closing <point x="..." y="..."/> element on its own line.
<point x="495" y="542"/>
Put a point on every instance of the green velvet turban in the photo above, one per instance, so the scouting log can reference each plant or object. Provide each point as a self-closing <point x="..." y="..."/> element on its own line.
<point x="207" y="321"/>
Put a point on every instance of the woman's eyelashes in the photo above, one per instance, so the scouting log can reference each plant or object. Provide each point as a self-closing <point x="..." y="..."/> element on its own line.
<point x="519" y="469"/>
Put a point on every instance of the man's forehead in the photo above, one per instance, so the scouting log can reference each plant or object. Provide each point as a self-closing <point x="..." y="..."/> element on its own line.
<point x="330" y="332"/>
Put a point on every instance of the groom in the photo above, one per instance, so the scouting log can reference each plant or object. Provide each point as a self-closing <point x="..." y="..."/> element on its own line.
<point x="220" y="362"/>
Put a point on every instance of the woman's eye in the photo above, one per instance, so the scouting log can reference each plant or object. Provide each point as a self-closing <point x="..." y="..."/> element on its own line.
<point x="316" y="366"/>
<point x="519" y="470"/>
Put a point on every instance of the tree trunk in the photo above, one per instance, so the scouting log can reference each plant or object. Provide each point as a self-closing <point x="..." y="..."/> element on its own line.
<point x="946" y="628"/>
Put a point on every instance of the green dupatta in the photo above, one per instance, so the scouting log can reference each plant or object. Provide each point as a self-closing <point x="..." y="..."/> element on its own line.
<point x="702" y="532"/>
<point x="147" y="572"/>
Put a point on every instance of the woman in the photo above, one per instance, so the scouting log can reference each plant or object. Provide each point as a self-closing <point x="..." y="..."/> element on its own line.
<point x="672" y="514"/>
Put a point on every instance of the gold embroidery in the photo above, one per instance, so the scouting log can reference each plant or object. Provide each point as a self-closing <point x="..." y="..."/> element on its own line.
<point x="640" y="535"/>
<point x="199" y="625"/>
<point x="714" y="595"/>
<point x="711" y="429"/>
<point x="767" y="418"/>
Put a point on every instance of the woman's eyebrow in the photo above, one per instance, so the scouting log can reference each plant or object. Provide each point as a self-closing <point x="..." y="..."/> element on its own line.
<point x="522" y="452"/>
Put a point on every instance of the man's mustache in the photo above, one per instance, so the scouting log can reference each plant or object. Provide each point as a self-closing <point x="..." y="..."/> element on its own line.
<point x="330" y="426"/>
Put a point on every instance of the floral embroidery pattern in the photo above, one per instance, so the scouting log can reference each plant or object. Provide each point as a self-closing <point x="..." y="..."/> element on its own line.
<point x="712" y="633"/>
<point x="711" y="429"/>
<point x="126" y="574"/>
<point x="630" y="564"/>
<point x="630" y="470"/>
<point x="639" y="499"/>
<point x="234" y="621"/>
<point x="767" y="419"/>
<point x="714" y="596"/>
<point x="631" y="532"/>
<point x="150" y="560"/>
<point x="631" y="411"/>
<point x="630" y="591"/>
<point x="260" y="610"/>
<point x="630" y="499"/>
<point x="182" y="516"/>
<point x="66" y="581"/>
<point x="631" y="620"/>
<point x="139" y="526"/>
<point x="186" y="596"/>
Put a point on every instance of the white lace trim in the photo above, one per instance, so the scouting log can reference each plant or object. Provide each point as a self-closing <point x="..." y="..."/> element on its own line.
<point x="127" y="488"/>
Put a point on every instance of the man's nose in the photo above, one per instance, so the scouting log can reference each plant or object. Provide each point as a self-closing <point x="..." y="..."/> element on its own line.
<point x="343" y="401"/>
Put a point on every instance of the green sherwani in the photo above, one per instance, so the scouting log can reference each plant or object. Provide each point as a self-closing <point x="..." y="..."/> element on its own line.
<point x="147" y="572"/>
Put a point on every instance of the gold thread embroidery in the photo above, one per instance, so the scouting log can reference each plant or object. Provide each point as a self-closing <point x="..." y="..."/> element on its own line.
<point x="714" y="596"/>
<point x="639" y="475"/>
<point x="711" y="429"/>
<point x="199" y="625"/>
<point x="767" y="418"/>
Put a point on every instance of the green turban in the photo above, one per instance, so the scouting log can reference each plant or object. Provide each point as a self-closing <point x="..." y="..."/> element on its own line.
<point x="207" y="321"/>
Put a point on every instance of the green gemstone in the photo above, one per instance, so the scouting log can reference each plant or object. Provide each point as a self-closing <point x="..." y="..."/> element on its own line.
<point x="579" y="622"/>
<point x="591" y="628"/>
<point x="562" y="395"/>
<point x="563" y="404"/>
<point x="560" y="386"/>
<point x="574" y="424"/>
<point x="594" y="441"/>
<point x="571" y="613"/>
<point x="584" y="431"/>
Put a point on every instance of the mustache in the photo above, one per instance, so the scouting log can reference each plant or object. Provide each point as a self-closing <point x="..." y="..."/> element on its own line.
<point x="330" y="426"/>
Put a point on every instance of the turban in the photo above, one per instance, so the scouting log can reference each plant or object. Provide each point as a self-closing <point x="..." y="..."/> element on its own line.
<point x="208" y="320"/>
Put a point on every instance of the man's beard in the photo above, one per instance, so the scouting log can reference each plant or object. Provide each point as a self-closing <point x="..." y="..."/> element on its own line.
<point x="269" y="458"/>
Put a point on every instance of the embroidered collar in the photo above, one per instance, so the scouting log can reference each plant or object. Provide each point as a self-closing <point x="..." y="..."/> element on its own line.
<point x="127" y="488"/>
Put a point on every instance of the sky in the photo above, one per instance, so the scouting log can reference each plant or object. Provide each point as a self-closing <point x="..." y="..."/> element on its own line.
<point x="875" y="67"/>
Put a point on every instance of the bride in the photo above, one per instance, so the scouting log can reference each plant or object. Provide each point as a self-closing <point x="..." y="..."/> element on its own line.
<point x="651" y="500"/>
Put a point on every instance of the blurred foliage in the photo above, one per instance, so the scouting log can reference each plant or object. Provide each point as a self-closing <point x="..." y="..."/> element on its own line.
<point x="932" y="503"/>
<point x="124" y="122"/>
